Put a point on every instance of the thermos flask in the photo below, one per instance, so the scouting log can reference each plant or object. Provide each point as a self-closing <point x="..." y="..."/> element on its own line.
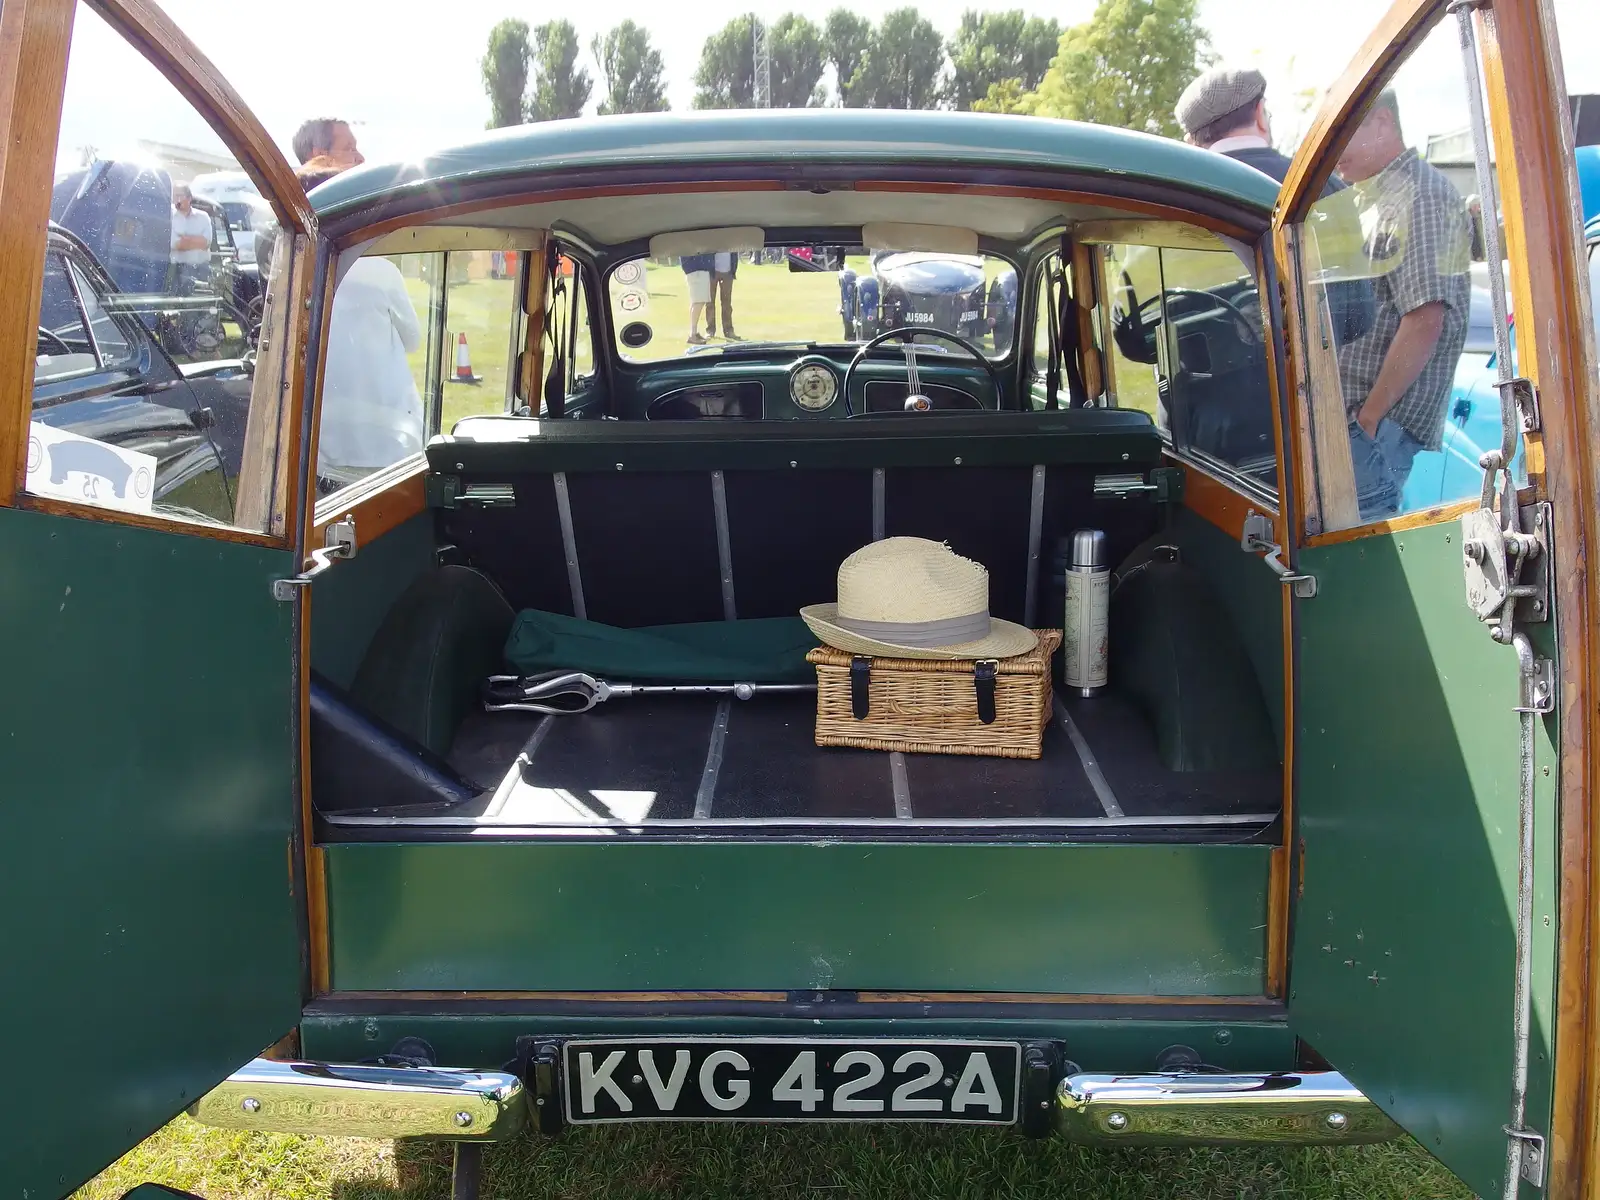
<point x="1088" y="593"/>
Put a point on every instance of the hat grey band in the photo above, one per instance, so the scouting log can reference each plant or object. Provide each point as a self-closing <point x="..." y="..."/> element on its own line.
<point x="947" y="631"/>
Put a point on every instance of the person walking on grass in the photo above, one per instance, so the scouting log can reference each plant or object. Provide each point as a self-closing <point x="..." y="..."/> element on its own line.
<point x="725" y="265"/>
<point x="697" y="270"/>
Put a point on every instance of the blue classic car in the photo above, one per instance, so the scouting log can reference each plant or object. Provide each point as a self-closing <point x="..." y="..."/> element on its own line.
<point x="1472" y="424"/>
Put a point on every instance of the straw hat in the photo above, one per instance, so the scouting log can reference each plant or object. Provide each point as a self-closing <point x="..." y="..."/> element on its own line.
<point x="906" y="597"/>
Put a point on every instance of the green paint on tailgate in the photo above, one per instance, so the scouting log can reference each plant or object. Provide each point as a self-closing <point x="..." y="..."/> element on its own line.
<point x="1403" y="955"/>
<point x="617" y="915"/>
<point x="147" y="752"/>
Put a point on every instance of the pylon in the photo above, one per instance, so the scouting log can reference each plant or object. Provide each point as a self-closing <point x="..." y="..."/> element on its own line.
<point x="464" y="363"/>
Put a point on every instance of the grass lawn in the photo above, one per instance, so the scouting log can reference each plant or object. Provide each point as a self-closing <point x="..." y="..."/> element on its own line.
<point x="747" y="1161"/>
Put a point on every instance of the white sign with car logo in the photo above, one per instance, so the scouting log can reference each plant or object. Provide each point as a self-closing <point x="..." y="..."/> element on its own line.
<point x="71" y="467"/>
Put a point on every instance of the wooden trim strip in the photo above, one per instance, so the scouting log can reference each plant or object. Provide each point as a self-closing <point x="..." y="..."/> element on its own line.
<point x="464" y="208"/>
<point x="1439" y="514"/>
<point x="442" y="213"/>
<point x="35" y="37"/>
<point x="159" y="521"/>
<point x="1216" y="501"/>
<point x="1386" y="47"/>
<point x="1086" y="998"/>
<point x="398" y="495"/>
<point x="154" y="35"/>
<point x="1528" y="114"/>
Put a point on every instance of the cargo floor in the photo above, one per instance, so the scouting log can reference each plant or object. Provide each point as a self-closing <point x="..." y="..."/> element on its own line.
<point x="687" y="764"/>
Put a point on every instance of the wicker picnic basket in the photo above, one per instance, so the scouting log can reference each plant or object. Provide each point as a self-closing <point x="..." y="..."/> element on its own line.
<point x="926" y="706"/>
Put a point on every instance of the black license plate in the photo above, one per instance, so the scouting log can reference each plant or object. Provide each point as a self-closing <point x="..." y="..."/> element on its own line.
<point x="790" y="1079"/>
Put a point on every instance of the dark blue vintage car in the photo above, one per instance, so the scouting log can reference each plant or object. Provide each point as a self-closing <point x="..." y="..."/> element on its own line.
<point x="948" y="292"/>
<point x="100" y="372"/>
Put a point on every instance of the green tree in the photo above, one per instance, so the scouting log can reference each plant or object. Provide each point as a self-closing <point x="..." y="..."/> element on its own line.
<point x="990" y="48"/>
<point x="1126" y="65"/>
<point x="725" y="77"/>
<point x="901" y="68"/>
<point x="561" y="88"/>
<point x="845" y="38"/>
<point x="505" y="72"/>
<point x="1006" y="96"/>
<point x="631" y="71"/>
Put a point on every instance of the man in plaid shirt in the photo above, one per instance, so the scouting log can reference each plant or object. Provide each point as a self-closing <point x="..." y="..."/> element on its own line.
<point x="1396" y="377"/>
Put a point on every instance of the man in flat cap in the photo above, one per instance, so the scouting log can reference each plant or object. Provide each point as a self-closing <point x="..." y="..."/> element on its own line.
<point x="1225" y="110"/>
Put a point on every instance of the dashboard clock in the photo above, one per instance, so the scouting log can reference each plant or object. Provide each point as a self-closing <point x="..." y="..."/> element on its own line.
<point x="813" y="386"/>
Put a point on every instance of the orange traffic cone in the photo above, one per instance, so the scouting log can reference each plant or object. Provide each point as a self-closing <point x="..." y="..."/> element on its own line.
<point x="464" y="363"/>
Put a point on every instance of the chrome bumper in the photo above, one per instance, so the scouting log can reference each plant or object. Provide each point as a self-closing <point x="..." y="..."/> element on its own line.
<point x="339" y="1100"/>
<point x="343" y="1100"/>
<point x="1300" y="1108"/>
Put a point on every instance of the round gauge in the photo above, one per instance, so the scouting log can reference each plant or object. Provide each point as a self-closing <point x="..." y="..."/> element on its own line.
<point x="813" y="387"/>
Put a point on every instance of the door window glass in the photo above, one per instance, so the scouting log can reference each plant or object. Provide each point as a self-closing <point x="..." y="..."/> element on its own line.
<point x="373" y="414"/>
<point x="1392" y="282"/>
<point x="581" y="351"/>
<point x="480" y="315"/>
<point x="111" y="341"/>
<point x="1188" y="349"/>
<point x="64" y="347"/>
<point x="151" y="295"/>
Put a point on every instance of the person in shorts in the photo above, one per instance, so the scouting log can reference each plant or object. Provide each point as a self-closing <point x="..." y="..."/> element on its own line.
<point x="697" y="270"/>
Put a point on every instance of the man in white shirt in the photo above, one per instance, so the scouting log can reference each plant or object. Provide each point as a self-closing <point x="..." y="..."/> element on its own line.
<point x="371" y="411"/>
<point x="191" y="243"/>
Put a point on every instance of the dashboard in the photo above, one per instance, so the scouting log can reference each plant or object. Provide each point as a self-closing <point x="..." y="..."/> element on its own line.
<point x="782" y="387"/>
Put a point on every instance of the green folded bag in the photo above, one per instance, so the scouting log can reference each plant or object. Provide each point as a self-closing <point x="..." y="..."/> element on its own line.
<point x="766" y="650"/>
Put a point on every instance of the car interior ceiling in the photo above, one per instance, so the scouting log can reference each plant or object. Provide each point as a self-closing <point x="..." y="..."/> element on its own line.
<point x="633" y="524"/>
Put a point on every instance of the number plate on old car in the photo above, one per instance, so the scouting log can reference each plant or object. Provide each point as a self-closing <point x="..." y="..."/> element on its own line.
<point x="790" y="1079"/>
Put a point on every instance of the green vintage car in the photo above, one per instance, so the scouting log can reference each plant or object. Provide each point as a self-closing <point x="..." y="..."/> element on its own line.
<point x="1315" y="866"/>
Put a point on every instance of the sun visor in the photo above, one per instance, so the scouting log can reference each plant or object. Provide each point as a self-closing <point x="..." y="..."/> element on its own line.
<point x="707" y="241"/>
<point x="932" y="239"/>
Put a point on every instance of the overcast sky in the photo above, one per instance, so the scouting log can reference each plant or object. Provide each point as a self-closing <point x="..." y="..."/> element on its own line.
<point x="410" y="80"/>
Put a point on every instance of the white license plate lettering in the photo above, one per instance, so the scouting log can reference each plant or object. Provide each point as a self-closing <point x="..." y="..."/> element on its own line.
<point x="976" y="1085"/>
<point x="920" y="318"/>
<point x="905" y="1098"/>
<point x="593" y="1080"/>
<point x="790" y="1079"/>
<point x="738" y="1088"/>
<point x="799" y="1083"/>
<point x="665" y="1094"/>
<point x="846" y="1096"/>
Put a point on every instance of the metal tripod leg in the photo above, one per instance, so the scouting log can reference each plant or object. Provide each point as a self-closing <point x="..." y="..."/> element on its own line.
<point x="466" y="1171"/>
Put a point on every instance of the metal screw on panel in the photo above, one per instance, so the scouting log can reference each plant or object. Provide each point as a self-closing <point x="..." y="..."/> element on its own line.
<point x="1222" y="1036"/>
<point x="1338" y="1122"/>
<point x="463" y="1119"/>
<point x="370" y="1031"/>
<point x="251" y="1105"/>
<point x="1117" y="1122"/>
<point x="1044" y="1104"/>
<point x="1474" y="549"/>
<point x="619" y="466"/>
<point x="538" y="1101"/>
<point x="958" y="460"/>
<point x="793" y="463"/>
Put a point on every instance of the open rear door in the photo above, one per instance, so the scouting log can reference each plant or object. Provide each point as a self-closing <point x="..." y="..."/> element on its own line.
<point x="149" y="860"/>
<point x="1423" y="961"/>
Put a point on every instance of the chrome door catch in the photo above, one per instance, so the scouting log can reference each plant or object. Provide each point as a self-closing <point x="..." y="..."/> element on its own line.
<point x="339" y="542"/>
<point x="1257" y="539"/>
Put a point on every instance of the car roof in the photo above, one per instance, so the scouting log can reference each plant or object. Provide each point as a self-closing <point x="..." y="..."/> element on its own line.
<point x="884" y="138"/>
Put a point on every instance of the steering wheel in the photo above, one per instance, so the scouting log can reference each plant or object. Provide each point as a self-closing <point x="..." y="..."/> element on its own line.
<point x="905" y="333"/>
<point x="1211" y="298"/>
<point x="46" y="335"/>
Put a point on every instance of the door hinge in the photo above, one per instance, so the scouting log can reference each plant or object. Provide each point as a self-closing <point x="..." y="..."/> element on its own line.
<point x="1532" y="1155"/>
<point x="1507" y="572"/>
<point x="1257" y="539"/>
<point x="340" y="542"/>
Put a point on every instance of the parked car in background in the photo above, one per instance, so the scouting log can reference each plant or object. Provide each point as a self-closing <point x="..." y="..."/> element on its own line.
<point x="99" y="372"/>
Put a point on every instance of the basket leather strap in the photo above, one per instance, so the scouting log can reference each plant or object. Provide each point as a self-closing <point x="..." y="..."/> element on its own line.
<point x="983" y="676"/>
<point x="860" y="678"/>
